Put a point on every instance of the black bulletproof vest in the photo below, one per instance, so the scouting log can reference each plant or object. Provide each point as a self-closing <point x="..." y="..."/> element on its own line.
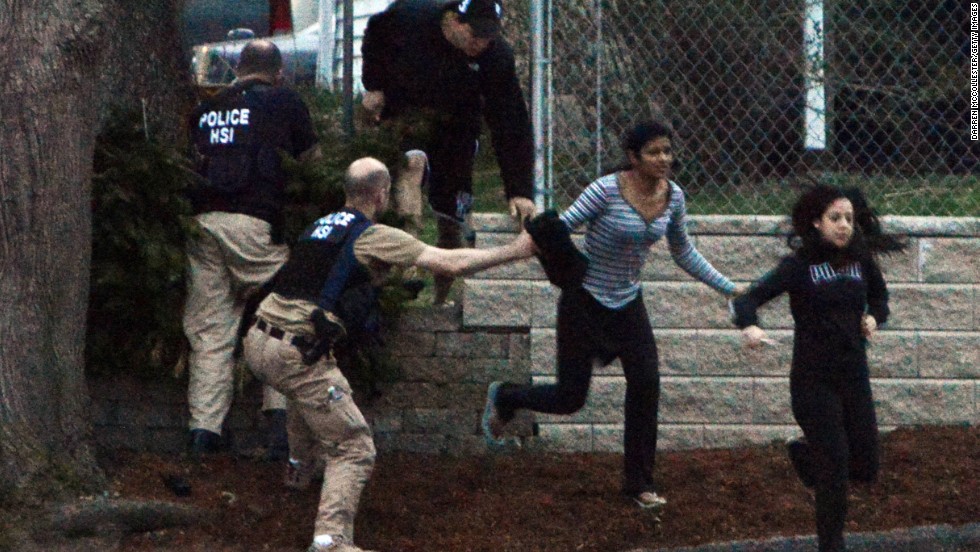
<point x="322" y="264"/>
<point x="228" y="135"/>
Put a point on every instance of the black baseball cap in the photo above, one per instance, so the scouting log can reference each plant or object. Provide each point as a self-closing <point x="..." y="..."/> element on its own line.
<point x="483" y="16"/>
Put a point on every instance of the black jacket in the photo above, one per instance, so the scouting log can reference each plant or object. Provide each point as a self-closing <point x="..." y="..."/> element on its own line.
<point x="562" y="262"/>
<point x="827" y="303"/>
<point x="240" y="135"/>
<point x="406" y="56"/>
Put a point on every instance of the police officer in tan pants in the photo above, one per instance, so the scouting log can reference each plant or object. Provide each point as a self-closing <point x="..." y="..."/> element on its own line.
<point x="325" y="425"/>
<point x="239" y="135"/>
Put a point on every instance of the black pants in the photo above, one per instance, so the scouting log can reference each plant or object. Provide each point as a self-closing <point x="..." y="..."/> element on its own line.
<point x="588" y="331"/>
<point x="838" y="419"/>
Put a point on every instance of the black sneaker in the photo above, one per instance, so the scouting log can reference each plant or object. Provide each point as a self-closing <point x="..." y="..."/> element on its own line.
<point x="205" y="442"/>
<point x="799" y="456"/>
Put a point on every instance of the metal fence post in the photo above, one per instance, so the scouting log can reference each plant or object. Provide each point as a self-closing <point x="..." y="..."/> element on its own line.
<point x="815" y="112"/>
<point x="538" y="103"/>
<point x="873" y="95"/>
<point x="348" y="119"/>
<point x="325" y="57"/>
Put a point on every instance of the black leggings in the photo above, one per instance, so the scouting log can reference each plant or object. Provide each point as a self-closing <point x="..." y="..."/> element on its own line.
<point x="838" y="419"/>
<point x="588" y="332"/>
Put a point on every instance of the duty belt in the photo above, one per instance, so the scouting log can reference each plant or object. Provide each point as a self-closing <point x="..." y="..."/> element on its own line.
<point x="297" y="341"/>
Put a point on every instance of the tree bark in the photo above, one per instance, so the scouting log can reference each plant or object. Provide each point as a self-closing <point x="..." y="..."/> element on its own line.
<point x="64" y="62"/>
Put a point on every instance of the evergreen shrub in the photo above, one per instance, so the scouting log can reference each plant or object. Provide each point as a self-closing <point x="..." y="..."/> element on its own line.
<point x="141" y="221"/>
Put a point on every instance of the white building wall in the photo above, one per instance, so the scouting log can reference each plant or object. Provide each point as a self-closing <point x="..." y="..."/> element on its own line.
<point x="363" y="9"/>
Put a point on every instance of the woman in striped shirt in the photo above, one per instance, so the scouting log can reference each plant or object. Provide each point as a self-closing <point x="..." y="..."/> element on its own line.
<point x="626" y="212"/>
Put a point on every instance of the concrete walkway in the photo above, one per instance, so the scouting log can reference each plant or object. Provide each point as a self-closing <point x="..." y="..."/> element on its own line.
<point x="933" y="538"/>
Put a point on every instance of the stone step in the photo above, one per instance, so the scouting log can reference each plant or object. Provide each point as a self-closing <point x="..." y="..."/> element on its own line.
<point x="609" y="437"/>
<point x="927" y="260"/>
<point x="521" y="303"/>
<point x="740" y="225"/>
<point x="765" y="401"/>
<point x="891" y="354"/>
<point x="731" y="247"/>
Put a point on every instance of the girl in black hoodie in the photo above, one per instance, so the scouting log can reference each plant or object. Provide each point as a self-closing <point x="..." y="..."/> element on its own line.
<point x="838" y="299"/>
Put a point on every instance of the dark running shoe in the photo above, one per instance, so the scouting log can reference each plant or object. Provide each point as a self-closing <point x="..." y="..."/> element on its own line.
<point x="205" y="442"/>
<point x="491" y="423"/>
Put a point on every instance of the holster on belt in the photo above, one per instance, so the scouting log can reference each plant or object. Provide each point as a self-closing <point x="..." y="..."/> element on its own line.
<point x="327" y="331"/>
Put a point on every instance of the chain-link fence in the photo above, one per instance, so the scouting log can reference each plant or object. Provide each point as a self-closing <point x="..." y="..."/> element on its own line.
<point x="766" y="96"/>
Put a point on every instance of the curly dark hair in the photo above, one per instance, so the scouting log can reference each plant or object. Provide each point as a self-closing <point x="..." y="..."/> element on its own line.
<point x="869" y="238"/>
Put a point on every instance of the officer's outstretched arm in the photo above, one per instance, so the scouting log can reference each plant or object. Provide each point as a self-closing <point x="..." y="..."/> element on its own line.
<point x="460" y="262"/>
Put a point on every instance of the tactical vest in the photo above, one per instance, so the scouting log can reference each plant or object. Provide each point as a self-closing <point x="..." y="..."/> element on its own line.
<point x="322" y="265"/>
<point x="228" y="136"/>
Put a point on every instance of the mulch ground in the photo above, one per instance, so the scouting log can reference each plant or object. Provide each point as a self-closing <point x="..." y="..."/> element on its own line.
<point x="558" y="503"/>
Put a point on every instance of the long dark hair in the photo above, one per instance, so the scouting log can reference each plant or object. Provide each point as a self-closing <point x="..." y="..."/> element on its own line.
<point x="868" y="238"/>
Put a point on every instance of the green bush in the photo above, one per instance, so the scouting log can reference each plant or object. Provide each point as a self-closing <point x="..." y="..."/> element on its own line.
<point x="141" y="219"/>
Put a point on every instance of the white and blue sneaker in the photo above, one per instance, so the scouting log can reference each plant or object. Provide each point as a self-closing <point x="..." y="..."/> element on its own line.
<point x="491" y="423"/>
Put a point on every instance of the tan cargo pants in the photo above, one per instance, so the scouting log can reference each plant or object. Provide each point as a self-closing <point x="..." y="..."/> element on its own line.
<point x="234" y="256"/>
<point x="323" y="420"/>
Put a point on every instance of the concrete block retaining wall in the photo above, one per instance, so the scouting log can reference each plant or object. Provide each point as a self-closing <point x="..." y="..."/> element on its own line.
<point x="925" y="363"/>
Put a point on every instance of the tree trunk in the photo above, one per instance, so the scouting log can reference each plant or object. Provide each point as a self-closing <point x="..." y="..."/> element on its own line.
<point x="64" y="62"/>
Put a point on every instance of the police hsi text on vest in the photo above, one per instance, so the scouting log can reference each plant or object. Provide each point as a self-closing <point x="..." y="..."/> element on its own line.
<point x="222" y="124"/>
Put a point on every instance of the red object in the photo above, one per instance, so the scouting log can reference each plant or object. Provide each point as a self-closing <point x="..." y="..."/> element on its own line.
<point x="280" y="17"/>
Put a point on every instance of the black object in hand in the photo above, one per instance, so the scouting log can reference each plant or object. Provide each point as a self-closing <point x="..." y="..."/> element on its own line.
<point x="563" y="263"/>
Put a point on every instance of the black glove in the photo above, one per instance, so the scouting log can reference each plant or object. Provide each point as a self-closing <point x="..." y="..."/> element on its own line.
<point x="562" y="262"/>
<point x="327" y="332"/>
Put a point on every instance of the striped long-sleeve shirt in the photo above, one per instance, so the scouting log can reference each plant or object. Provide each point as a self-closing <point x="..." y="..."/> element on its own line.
<point x="618" y="241"/>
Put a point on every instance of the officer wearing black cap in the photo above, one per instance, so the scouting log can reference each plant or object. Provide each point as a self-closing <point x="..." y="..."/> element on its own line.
<point x="447" y="65"/>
